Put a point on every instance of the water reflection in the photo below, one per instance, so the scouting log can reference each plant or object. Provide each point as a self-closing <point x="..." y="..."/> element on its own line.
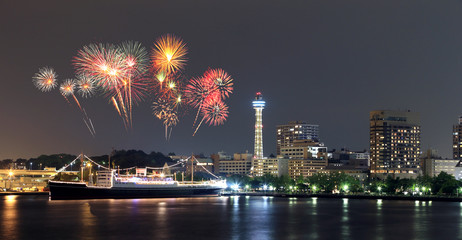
<point x="9" y="218"/>
<point x="345" y="220"/>
<point x="228" y="218"/>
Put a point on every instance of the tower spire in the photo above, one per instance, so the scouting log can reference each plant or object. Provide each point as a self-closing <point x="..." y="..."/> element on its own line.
<point x="258" y="105"/>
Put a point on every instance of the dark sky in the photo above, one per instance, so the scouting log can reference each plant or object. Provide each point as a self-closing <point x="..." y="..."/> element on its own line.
<point x="324" y="62"/>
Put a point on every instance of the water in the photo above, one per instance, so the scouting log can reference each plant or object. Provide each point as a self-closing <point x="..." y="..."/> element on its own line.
<point x="35" y="217"/>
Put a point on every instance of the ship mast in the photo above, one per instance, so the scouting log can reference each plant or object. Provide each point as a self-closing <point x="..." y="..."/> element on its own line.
<point x="81" y="167"/>
<point x="192" y="169"/>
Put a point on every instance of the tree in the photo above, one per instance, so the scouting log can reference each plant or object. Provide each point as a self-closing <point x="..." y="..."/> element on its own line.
<point x="444" y="184"/>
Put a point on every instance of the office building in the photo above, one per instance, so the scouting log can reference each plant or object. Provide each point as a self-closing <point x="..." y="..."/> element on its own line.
<point x="394" y="144"/>
<point x="295" y="130"/>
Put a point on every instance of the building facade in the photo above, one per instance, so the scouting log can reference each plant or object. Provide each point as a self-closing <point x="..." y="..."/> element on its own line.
<point x="306" y="167"/>
<point x="241" y="165"/>
<point x="295" y="130"/>
<point x="394" y="144"/>
<point x="457" y="140"/>
<point x="264" y="166"/>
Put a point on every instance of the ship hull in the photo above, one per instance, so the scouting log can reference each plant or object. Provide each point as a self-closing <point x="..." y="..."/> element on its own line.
<point x="62" y="190"/>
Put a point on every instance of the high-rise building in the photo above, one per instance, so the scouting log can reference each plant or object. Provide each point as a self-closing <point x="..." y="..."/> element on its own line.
<point x="295" y="130"/>
<point x="457" y="140"/>
<point x="258" y="105"/>
<point x="394" y="143"/>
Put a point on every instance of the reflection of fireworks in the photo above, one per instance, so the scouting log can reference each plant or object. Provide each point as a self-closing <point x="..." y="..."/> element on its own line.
<point x="85" y="85"/>
<point x="45" y="79"/>
<point x="222" y="80"/>
<point x="169" y="54"/>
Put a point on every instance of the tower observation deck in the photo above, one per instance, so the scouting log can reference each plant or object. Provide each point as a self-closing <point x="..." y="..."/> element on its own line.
<point x="258" y="105"/>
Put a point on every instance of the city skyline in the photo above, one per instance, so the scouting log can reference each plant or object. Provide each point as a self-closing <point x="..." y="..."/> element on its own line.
<point x="313" y="62"/>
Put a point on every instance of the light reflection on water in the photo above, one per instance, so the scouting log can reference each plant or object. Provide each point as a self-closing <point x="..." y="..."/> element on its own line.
<point x="9" y="217"/>
<point x="228" y="218"/>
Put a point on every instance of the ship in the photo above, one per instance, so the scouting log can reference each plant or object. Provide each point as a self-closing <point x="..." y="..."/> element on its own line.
<point x="109" y="184"/>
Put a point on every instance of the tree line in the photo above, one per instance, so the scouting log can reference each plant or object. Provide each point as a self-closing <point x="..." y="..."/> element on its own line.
<point x="121" y="158"/>
<point x="443" y="184"/>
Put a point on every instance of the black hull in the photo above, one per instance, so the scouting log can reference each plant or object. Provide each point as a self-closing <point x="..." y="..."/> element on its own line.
<point x="60" y="191"/>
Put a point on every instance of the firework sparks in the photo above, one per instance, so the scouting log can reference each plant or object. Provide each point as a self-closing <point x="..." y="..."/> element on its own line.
<point x="105" y="63"/>
<point x="67" y="87"/>
<point x="164" y="111"/>
<point x="136" y="58"/>
<point x="85" y="85"/>
<point x="214" y="113"/>
<point x="45" y="79"/>
<point x="169" y="54"/>
<point x="222" y="80"/>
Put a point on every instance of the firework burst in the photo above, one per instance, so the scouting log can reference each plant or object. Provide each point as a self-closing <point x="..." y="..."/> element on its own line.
<point x="45" y="79"/>
<point x="67" y="87"/>
<point x="222" y="80"/>
<point x="85" y="85"/>
<point x="214" y="113"/>
<point x="169" y="54"/>
<point x="105" y="63"/>
<point x="165" y="111"/>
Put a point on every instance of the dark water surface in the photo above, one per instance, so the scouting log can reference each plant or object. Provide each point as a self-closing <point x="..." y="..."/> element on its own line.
<point x="36" y="217"/>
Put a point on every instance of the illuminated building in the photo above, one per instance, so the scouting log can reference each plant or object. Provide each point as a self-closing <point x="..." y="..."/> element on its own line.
<point x="457" y="140"/>
<point x="295" y="130"/>
<point x="394" y="144"/>
<point x="305" y="158"/>
<point x="432" y="165"/>
<point x="273" y="166"/>
<point x="241" y="164"/>
<point x="258" y="105"/>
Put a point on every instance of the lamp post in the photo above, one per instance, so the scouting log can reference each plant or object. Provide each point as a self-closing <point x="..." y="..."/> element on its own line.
<point x="30" y="168"/>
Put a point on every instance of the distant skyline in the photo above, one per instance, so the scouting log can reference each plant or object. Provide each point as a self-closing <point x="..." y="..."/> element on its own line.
<point x="323" y="62"/>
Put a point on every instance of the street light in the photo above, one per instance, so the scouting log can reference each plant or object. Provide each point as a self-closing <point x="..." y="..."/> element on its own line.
<point x="30" y="166"/>
<point x="345" y="187"/>
<point x="379" y="188"/>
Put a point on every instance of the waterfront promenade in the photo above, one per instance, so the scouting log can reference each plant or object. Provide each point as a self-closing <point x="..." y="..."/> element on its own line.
<point x="349" y="196"/>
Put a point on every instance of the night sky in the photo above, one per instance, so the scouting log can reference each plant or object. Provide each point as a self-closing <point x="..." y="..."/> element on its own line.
<point x="323" y="62"/>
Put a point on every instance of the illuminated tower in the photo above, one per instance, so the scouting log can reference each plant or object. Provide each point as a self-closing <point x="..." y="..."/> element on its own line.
<point x="258" y="105"/>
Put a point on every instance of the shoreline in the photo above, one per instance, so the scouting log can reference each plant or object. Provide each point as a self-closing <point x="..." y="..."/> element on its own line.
<point x="24" y="193"/>
<point x="351" y="196"/>
<point x="290" y="195"/>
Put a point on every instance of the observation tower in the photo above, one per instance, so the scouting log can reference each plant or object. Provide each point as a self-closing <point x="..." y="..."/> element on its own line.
<point x="258" y="105"/>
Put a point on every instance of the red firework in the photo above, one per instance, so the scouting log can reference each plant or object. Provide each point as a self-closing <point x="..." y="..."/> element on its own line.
<point x="215" y="113"/>
<point x="222" y="81"/>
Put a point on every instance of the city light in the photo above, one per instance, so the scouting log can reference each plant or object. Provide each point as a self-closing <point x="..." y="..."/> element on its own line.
<point x="235" y="187"/>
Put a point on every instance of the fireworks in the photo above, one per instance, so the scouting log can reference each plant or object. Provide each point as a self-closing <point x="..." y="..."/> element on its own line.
<point x="222" y="81"/>
<point x="104" y="63"/>
<point x="85" y="85"/>
<point x="45" y="79"/>
<point x="215" y="113"/>
<point x="164" y="111"/>
<point x="136" y="58"/>
<point x="67" y="87"/>
<point x="120" y="73"/>
<point x="169" y="54"/>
